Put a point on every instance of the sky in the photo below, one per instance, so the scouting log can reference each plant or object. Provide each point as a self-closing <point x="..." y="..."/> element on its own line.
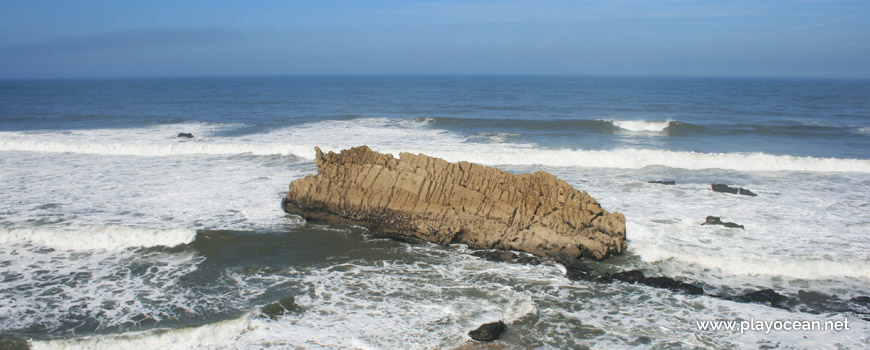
<point x="110" y="39"/>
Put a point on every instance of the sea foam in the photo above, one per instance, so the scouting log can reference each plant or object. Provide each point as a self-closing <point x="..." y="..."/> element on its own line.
<point x="218" y="335"/>
<point x="395" y="136"/>
<point x="97" y="237"/>
<point x="640" y="125"/>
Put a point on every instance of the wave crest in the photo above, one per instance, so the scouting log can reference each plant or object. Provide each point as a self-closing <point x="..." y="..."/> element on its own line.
<point x="640" y="125"/>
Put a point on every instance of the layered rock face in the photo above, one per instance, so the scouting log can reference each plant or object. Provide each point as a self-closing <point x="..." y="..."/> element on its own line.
<point x="433" y="200"/>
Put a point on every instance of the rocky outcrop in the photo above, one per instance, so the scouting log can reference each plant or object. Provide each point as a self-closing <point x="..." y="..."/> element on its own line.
<point x="715" y="220"/>
<point x="635" y="276"/>
<point x="185" y="135"/>
<point x="280" y="307"/>
<point x="430" y="199"/>
<point x="507" y="256"/>
<point x="663" y="182"/>
<point x="488" y="331"/>
<point x="723" y="188"/>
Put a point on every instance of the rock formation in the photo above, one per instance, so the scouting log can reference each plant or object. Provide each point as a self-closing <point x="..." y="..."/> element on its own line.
<point x="185" y="135"/>
<point x="723" y="188"/>
<point x="430" y="199"/>
<point x="488" y="331"/>
<point x="715" y="220"/>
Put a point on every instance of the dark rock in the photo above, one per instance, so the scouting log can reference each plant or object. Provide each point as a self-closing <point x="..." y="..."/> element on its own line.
<point x="507" y="256"/>
<point x="765" y="296"/>
<point x="861" y="300"/>
<point x="809" y="297"/>
<point x="488" y="331"/>
<point x="280" y="307"/>
<point x="674" y="285"/>
<point x="641" y="340"/>
<point x="635" y="276"/>
<point x="578" y="271"/>
<point x="819" y="302"/>
<point x="723" y="188"/>
<point x="715" y="220"/>
<point x="528" y="260"/>
<point x="185" y="135"/>
<point x="632" y="276"/>
<point x="496" y="255"/>
<point x="664" y="182"/>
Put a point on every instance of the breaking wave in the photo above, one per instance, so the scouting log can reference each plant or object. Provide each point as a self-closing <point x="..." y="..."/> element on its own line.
<point x="416" y="136"/>
<point x="641" y="125"/>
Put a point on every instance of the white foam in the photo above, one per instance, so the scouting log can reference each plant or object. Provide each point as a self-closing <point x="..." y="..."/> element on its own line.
<point x="638" y="158"/>
<point x="97" y="237"/>
<point x="640" y="125"/>
<point x="218" y="335"/>
<point x="105" y="287"/>
<point x="772" y="266"/>
<point x="415" y="136"/>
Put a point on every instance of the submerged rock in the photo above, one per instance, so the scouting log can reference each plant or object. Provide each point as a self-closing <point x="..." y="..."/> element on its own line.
<point x="635" y="276"/>
<point x="280" y="307"/>
<point x="765" y="296"/>
<point x="488" y="331"/>
<point x="674" y="285"/>
<point x="723" y="188"/>
<point x="578" y="271"/>
<point x="663" y="182"/>
<point x="430" y="199"/>
<point x="632" y="276"/>
<point x="507" y="256"/>
<point x="185" y="135"/>
<point x="715" y="220"/>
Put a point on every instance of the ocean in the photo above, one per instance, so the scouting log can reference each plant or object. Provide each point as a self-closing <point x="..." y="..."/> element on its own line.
<point x="117" y="234"/>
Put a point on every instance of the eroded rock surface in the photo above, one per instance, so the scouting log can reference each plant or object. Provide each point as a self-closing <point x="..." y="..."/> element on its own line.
<point x="437" y="201"/>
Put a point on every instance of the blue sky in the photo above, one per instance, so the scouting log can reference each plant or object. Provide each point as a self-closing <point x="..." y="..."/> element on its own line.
<point x="762" y="38"/>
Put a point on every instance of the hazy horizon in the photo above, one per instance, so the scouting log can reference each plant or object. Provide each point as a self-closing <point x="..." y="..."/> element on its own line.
<point x="740" y="39"/>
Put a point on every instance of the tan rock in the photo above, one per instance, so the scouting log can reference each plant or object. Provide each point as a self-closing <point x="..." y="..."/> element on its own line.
<point x="437" y="201"/>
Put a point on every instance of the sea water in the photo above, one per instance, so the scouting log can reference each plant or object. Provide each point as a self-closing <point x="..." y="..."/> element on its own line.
<point x="115" y="233"/>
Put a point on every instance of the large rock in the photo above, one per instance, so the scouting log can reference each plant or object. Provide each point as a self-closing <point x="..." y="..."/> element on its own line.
<point x="430" y="199"/>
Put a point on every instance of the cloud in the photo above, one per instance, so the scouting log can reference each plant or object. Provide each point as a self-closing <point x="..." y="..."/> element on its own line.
<point x="124" y="40"/>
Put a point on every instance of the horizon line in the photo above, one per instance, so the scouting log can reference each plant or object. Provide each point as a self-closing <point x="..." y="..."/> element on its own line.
<point x="488" y="75"/>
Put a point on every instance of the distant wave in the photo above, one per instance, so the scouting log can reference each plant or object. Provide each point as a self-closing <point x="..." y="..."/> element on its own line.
<point x="97" y="237"/>
<point x="403" y="135"/>
<point x="603" y="126"/>
<point x="639" y="158"/>
<point x="654" y="128"/>
<point x="150" y="149"/>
